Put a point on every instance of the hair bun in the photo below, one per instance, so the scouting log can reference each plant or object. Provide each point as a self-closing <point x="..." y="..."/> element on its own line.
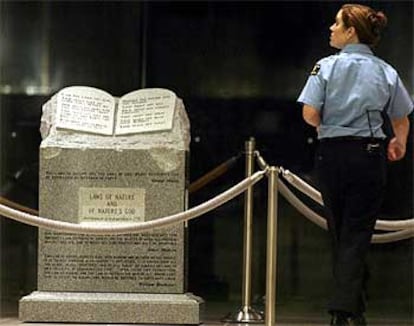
<point x="380" y="20"/>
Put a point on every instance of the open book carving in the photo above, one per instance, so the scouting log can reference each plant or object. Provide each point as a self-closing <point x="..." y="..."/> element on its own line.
<point x="93" y="110"/>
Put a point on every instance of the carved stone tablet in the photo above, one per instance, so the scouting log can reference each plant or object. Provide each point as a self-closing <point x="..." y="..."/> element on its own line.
<point x="87" y="178"/>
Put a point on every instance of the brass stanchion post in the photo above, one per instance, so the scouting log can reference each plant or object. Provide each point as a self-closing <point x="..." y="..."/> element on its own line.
<point x="271" y="249"/>
<point x="246" y="314"/>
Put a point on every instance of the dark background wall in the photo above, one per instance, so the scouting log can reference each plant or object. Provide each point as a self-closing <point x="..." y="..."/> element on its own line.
<point x="239" y="67"/>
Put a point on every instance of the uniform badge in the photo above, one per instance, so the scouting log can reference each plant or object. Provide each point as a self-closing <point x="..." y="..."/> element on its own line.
<point x="315" y="69"/>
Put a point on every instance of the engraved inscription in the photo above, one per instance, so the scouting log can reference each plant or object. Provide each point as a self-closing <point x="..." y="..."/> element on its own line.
<point x="85" y="109"/>
<point x="153" y="267"/>
<point x="145" y="110"/>
<point x="159" y="177"/>
<point x="147" y="270"/>
<point x="111" y="204"/>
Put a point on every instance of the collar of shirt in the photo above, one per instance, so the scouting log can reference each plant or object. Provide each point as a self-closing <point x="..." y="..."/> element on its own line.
<point x="357" y="48"/>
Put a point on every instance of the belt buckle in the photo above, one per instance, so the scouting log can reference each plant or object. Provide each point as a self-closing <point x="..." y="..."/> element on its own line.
<point x="373" y="147"/>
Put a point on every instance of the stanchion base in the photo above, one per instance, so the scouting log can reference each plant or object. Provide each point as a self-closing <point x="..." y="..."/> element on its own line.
<point x="246" y="315"/>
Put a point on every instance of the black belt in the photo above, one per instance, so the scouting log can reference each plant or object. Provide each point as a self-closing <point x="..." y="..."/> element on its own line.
<point x="350" y="139"/>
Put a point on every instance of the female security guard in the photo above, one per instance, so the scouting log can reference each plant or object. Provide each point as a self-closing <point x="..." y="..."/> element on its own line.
<point x="345" y="98"/>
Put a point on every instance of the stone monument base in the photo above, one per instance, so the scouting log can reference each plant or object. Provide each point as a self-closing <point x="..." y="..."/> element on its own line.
<point x="85" y="307"/>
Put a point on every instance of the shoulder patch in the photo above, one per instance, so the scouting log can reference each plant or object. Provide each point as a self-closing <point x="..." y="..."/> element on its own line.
<point x="316" y="69"/>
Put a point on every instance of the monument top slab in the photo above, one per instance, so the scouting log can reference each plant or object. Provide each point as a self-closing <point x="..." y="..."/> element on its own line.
<point x="86" y="117"/>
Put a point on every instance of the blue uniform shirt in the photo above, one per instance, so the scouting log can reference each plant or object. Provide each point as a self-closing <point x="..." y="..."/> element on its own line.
<point x="350" y="89"/>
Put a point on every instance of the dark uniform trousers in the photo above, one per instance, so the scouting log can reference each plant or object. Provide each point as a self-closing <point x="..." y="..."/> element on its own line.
<point x="352" y="176"/>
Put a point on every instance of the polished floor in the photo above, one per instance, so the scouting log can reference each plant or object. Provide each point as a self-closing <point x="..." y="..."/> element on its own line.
<point x="293" y="313"/>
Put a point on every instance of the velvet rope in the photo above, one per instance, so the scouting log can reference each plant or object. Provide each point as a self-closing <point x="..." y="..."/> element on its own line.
<point x="307" y="189"/>
<point x="124" y="228"/>
<point x="320" y="221"/>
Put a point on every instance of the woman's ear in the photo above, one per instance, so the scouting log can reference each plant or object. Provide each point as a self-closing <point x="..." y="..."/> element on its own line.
<point x="351" y="32"/>
<point x="352" y="35"/>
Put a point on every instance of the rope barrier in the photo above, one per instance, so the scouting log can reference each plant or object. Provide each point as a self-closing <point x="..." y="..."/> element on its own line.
<point x="213" y="174"/>
<point x="320" y="221"/>
<point x="12" y="204"/>
<point x="307" y="189"/>
<point x="403" y="229"/>
<point x="301" y="207"/>
<point x="100" y="228"/>
<point x="302" y="186"/>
